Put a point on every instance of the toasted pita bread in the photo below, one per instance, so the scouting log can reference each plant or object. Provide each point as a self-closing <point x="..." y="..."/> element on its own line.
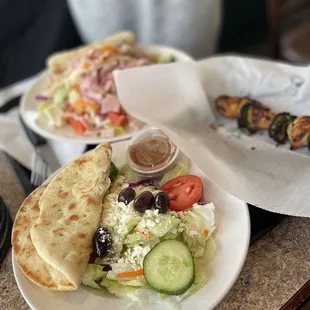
<point x="29" y="261"/>
<point x="70" y="210"/>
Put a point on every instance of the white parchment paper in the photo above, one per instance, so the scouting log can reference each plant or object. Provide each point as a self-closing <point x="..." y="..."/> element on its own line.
<point x="179" y="99"/>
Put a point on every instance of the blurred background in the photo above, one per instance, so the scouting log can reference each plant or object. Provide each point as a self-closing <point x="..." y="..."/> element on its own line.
<point x="32" y="29"/>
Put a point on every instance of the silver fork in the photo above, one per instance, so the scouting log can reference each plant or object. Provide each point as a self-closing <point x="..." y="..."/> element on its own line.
<point x="39" y="169"/>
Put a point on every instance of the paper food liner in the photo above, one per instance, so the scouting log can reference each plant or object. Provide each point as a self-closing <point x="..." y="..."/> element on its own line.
<point x="179" y="99"/>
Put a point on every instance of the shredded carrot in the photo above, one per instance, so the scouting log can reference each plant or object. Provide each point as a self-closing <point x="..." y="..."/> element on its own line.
<point x="110" y="49"/>
<point x="130" y="274"/>
<point x="206" y="232"/>
<point x="92" y="105"/>
<point x="145" y="234"/>
<point x="86" y="65"/>
<point x="79" y="106"/>
<point x="76" y="87"/>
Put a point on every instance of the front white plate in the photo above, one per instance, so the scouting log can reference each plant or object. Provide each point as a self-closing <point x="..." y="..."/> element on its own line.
<point x="29" y="105"/>
<point x="231" y="237"/>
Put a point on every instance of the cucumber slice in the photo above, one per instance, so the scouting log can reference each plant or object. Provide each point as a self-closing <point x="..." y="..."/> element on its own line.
<point x="169" y="267"/>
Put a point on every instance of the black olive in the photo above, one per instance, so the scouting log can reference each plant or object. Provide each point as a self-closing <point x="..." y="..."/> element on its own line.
<point x="107" y="268"/>
<point x="161" y="202"/>
<point x="127" y="195"/>
<point x="102" y="242"/>
<point x="143" y="202"/>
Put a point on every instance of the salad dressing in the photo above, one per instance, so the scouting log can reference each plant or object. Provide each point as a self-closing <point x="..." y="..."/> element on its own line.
<point x="151" y="151"/>
<point x="152" y="154"/>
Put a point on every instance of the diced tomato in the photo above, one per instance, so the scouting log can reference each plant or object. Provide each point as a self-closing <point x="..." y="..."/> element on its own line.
<point x="77" y="126"/>
<point x="183" y="192"/>
<point x="118" y="119"/>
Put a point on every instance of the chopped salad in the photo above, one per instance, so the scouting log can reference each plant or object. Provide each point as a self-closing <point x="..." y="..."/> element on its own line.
<point x="154" y="240"/>
<point x="83" y="94"/>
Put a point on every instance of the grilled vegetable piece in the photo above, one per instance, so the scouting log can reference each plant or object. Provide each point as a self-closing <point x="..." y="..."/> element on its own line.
<point x="299" y="132"/>
<point x="278" y="128"/>
<point x="255" y="117"/>
<point x="230" y="107"/>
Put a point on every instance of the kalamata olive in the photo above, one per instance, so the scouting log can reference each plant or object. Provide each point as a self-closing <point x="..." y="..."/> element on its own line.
<point x="102" y="242"/>
<point x="127" y="195"/>
<point x="107" y="268"/>
<point x="161" y="202"/>
<point x="143" y="202"/>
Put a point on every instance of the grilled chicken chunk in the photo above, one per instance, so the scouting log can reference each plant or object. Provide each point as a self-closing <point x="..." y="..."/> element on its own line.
<point x="299" y="132"/>
<point x="230" y="107"/>
<point x="255" y="117"/>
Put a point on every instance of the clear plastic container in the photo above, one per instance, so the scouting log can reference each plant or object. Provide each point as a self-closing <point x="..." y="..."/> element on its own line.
<point x="151" y="153"/>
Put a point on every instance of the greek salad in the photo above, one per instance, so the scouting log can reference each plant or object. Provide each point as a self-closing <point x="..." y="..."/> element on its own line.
<point x="155" y="237"/>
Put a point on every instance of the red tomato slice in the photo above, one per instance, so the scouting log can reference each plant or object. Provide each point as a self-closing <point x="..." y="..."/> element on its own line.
<point x="118" y="119"/>
<point x="183" y="192"/>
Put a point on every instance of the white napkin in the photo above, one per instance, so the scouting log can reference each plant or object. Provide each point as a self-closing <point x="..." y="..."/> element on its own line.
<point x="179" y="98"/>
<point x="13" y="140"/>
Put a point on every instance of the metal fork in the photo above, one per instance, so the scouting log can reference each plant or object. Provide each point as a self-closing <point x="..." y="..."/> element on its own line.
<point x="39" y="169"/>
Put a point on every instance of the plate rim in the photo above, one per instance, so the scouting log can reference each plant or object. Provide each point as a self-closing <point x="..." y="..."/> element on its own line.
<point x="234" y="275"/>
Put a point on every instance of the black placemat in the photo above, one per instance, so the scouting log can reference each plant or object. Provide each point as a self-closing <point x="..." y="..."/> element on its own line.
<point x="5" y="230"/>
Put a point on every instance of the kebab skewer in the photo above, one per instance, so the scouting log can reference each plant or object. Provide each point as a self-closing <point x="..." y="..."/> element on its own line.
<point x="255" y="116"/>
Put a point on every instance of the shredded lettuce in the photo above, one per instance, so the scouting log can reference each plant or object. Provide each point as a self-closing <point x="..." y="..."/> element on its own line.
<point x="153" y="225"/>
<point x="60" y="95"/>
<point x="118" y="130"/>
<point x="129" y="174"/>
<point x="113" y="172"/>
<point x="181" y="168"/>
<point x="199" y="223"/>
<point x="93" y="276"/>
<point x="42" y="106"/>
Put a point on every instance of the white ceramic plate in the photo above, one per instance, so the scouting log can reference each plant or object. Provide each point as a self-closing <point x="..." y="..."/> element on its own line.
<point x="232" y="237"/>
<point x="29" y="105"/>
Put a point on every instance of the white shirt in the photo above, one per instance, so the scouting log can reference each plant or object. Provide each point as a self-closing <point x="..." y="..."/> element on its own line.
<point x="190" y="25"/>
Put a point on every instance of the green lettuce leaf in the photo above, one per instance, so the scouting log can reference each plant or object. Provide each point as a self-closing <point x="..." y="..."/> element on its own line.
<point x="181" y="168"/>
<point x="94" y="275"/>
<point x="60" y="96"/>
<point x="152" y="226"/>
<point x="113" y="172"/>
<point x="199" y="224"/>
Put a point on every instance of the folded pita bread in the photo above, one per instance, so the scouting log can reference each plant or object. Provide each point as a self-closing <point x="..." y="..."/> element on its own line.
<point x="28" y="259"/>
<point x="59" y="61"/>
<point x="70" y="208"/>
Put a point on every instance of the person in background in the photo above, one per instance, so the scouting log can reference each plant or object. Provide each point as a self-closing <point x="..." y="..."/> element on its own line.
<point x="190" y="25"/>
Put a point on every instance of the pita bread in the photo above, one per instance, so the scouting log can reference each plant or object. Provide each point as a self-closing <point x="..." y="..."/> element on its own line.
<point x="29" y="261"/>
<point x="70" y="209"/>
<point x="59" y="61"/>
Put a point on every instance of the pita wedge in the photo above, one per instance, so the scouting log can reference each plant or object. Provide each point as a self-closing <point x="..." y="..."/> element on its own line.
<point x="28" y="259"/>
<point x="59" y="61"/>
<point x="70" y="209"/>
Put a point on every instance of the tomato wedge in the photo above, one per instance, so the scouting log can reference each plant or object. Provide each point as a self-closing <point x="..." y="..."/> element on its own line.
<point x="183" y="192"/>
